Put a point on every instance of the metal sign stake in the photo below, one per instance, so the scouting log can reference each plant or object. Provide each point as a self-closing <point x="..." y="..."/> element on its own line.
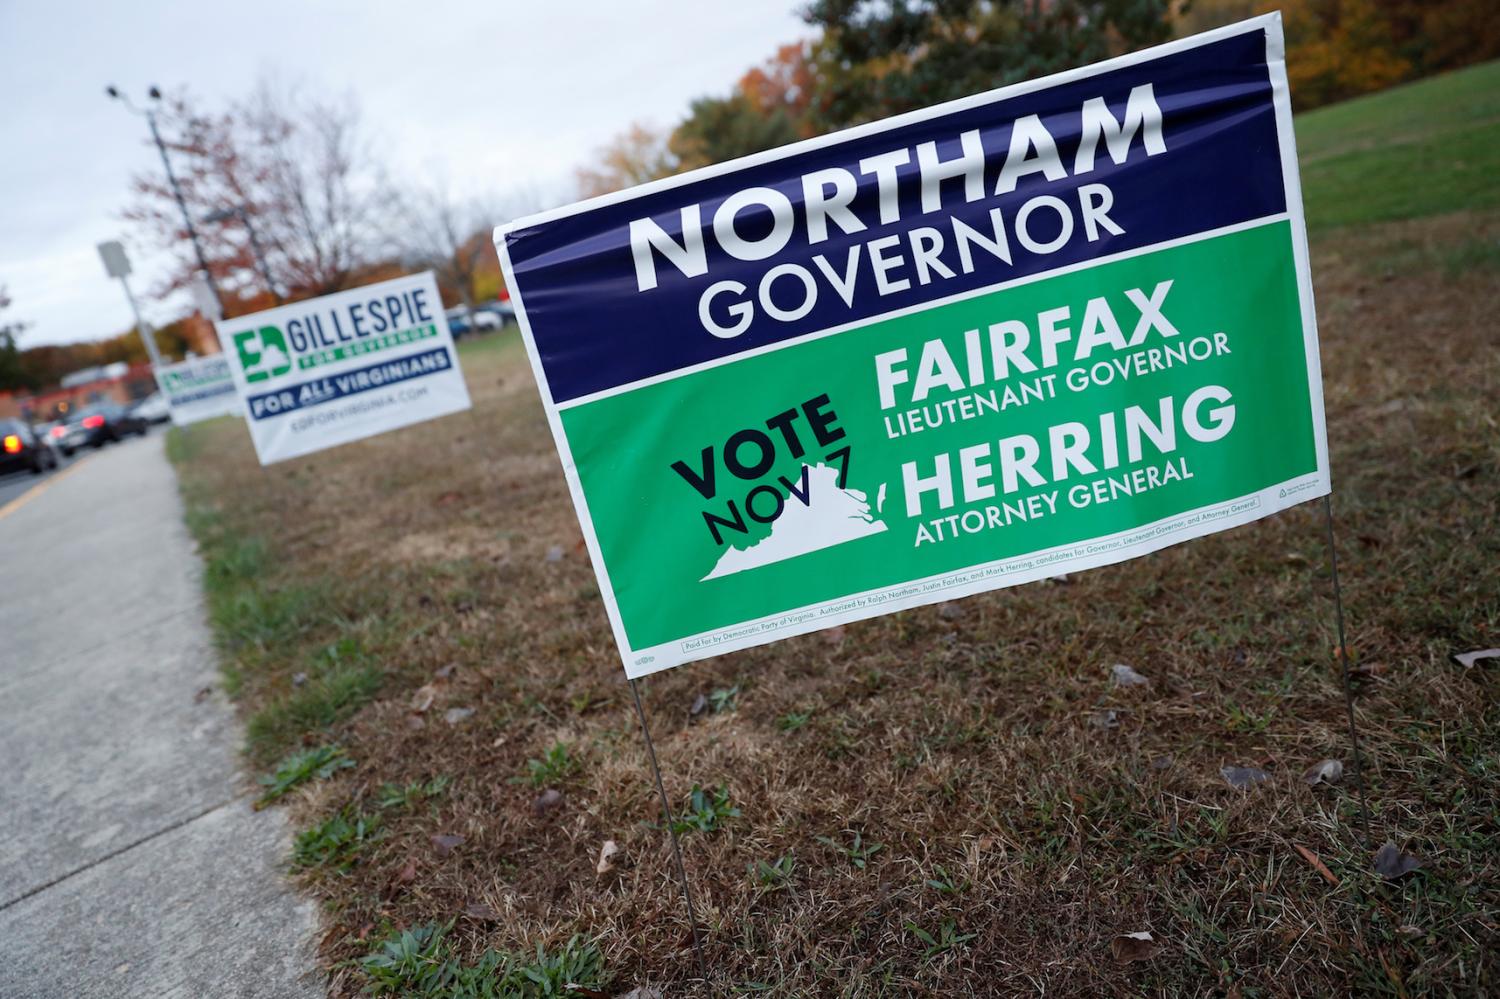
<point x="666" y="811"/>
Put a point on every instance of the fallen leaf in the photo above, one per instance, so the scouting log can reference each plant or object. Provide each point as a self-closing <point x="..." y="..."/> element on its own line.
<point x="642" y="992"/>
<point x="445" y="842"/>
<point x="1128" y="947"/>
<point x="407" y="874"/>
<point x="455" y="715"/>
<point x="415" y="722"/>
<point x="583" y="990"/>
<point x="1391" y="863"/>
<point x="1105" y="719"/>
<point x="1468" y="659"/>
<point x="481" y="912"/>
<point x="607" y="853"/>
<point x="1325" y="772"/>
<point x="1317" y="865"/>
<point x="1124" y="676"/>
<point x="423" y="698"/>
<point x="555" y="553"/>
<point x="444" y="672"/>
<point x="1243" y="777"/>
<point x="547" y="801"/>
<point x="950" y="611"/>
<point x="699" y="705"/>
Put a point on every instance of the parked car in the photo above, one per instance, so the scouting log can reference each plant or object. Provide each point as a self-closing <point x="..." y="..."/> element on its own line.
<point x="22" y="448"/>
<point x="504" y="310"/>
<point x="153" y="408"/>
<point x="97" y="425"/>
<point x="458" y="321"/>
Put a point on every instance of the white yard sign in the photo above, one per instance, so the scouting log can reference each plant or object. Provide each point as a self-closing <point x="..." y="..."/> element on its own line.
<point x="198" y="389"/>
<point x="336" y="369"/>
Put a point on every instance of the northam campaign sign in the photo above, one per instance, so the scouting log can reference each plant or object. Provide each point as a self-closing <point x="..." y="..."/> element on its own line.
<point x="336" y="369"/>
<point x="1025" y="333"/>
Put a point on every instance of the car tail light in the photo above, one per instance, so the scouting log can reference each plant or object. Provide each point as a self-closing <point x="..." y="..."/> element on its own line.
<point x="59" y="431"/>
<point x="93" y="422"/>
<point x="12" y="444"/>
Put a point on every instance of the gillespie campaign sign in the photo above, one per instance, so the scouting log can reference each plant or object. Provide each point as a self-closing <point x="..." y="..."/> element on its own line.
<point x="198" y="389"/>
<point x="335" y="369"/>
<point x="1045" y="328"/>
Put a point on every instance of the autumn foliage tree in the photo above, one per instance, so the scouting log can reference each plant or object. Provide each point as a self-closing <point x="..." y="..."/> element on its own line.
<point x="883" y="57"/>
<point x="297" y="171"/>
<point x="1337" y="49"/>
<point x="635" y="156"/>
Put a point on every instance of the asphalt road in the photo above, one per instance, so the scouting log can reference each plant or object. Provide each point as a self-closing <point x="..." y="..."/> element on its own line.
<point x="16" y="484"/>
<point x="131" y="863"/>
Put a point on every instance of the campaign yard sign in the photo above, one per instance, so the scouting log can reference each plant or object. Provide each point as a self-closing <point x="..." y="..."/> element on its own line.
<point x="1041" y="329"/>
<point x="336" y="369"/>
<point x="199" y="388"/>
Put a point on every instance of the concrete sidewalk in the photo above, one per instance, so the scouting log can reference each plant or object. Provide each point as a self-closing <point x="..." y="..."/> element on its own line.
<point x="131" y="863"/>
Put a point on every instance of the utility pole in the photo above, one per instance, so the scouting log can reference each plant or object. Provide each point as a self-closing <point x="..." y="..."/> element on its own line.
<point x="117" y="265"/>
<point x="161" y="147"/>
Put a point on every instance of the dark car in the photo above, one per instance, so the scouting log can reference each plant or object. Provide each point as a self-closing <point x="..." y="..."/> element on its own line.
<point x="97" y="425"/>
<point x="21" y="447"/>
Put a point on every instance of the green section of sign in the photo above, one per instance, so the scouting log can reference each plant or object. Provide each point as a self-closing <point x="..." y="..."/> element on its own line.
<point x="361" y="347"/>
<point x="1238" y="349"/>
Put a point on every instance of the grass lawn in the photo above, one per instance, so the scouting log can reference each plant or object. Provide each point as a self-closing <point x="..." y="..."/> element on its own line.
<point x="951" y="801"/>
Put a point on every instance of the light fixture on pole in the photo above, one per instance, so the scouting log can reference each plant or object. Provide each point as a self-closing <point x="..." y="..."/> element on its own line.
<point x="149" y="113"/>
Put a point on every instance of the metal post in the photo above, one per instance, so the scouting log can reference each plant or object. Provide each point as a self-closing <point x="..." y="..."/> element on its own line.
<point x="666" y="811"/>
<point x="148" y="335"/>
<point x="187" y="220"/>
<point x="1338" y="604"/>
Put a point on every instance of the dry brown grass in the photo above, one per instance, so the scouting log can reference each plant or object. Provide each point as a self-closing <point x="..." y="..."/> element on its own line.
<point x="972" y="742"/>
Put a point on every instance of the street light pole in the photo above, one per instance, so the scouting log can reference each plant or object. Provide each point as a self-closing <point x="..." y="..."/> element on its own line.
<point x="117" y="265"/>
<point x="161" y="147"/>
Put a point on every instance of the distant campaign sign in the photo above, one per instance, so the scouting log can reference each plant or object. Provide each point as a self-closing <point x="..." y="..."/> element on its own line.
<point x="199" y="388"/>
<point x="1034" y="331"/>
<point x="336" y="369"/>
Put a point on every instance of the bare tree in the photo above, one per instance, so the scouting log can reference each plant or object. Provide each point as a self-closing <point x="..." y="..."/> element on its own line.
<point x="292" y="178"/>
<point x="449" y="235"/>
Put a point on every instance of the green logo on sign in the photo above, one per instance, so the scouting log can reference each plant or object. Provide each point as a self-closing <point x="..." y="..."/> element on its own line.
<point x="263" y="353"/>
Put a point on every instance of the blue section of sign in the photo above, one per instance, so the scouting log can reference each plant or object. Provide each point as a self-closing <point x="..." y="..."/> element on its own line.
<point x="200" y="394"/>
<point x="595" y="330"/>
<point x="329" y="388"/>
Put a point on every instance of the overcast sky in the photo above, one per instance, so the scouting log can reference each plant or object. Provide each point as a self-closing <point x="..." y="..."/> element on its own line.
<point x="498" y="96"/>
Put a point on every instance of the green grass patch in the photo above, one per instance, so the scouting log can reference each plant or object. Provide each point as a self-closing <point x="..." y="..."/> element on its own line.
<point x="299" y="768"/>
<point x="553" y="767"/>
<point x="410" y="795"/>
<point x="321" y="702"/>
<point x="335" y="843"/>
<point x="421" y="963"/>
<point x="1424" y="149"/>
<point x="707" y="811"/>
